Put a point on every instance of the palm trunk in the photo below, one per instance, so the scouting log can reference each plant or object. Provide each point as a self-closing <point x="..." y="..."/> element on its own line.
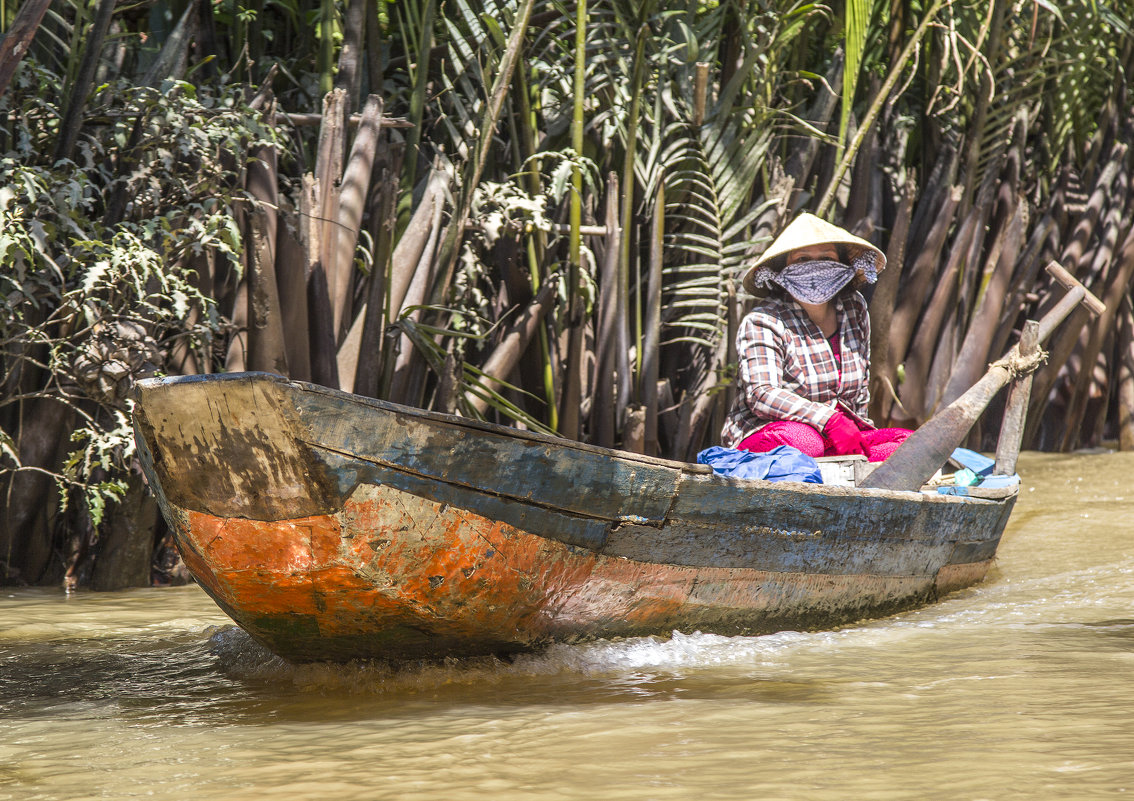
<point x="847" y="158"/>
<point x="884" y="374"/>
<point x="920" y="279"/>
<point x="974" y="352"/>
<point x="349" y="75"/>
<point x="266" y="347"/>
<point x="1064" y="342"/>
<point x="1126" y="376"/>
<point x="652" y="324"/>
<point x="450" y="248"/>
<point x="602" y="418"/>
<point x="77" y="94"/>
<point x="1117" y="288"/>
<point x="503" y="360"/>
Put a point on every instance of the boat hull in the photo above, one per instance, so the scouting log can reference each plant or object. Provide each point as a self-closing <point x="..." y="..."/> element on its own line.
<point x="332" y="527"/>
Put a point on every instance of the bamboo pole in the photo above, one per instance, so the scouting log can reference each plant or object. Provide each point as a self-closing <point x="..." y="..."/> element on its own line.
<point x="1016" y="407"/>
<point x="302" y="120"/>
<point x="627" y="373"/>
<point x="538" y="376"/>
<point x="568" y="423"/>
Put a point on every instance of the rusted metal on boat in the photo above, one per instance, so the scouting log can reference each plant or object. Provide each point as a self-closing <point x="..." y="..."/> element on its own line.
<point x="335" y="527"/>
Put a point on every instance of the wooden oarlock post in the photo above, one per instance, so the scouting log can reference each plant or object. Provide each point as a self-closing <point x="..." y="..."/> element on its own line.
<point x="1016" y="409"/>
<point x="920" y="456"/>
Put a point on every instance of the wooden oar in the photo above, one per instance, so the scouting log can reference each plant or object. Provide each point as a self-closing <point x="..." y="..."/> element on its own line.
<point x="918" y="458"/>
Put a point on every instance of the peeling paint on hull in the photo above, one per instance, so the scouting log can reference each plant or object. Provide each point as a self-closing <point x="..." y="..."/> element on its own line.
<point x="383" y="532"/>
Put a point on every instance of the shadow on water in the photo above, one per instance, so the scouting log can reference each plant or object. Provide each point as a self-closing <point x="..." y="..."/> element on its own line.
<point x="230" y="679"/>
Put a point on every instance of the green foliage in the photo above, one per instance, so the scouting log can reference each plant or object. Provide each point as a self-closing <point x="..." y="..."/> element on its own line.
<point x="100" y="255"/>
<point x="102" y="450"/>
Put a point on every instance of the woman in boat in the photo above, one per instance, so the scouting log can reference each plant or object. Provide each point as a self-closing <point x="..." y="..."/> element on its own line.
<point x="804" y="350"/>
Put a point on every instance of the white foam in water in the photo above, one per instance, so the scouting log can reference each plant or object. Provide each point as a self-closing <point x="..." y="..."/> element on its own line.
<point x="240" y="655"/>
<point x="678" y="651"/>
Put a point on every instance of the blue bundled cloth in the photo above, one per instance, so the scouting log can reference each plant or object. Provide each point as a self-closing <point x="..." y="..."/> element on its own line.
<point x="782" y="463"/>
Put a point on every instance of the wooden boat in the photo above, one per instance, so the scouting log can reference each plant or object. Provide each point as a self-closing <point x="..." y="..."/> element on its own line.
<point x="333" y="527"/>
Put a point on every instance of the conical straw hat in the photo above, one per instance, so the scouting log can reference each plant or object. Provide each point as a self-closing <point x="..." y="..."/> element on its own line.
<point x="804" y="231"/>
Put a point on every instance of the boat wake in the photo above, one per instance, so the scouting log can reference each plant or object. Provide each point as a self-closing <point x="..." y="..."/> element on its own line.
<point x="240" y="656"/>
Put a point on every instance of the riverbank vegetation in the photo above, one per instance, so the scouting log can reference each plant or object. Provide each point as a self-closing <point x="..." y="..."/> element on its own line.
<point x="529" y="211"/>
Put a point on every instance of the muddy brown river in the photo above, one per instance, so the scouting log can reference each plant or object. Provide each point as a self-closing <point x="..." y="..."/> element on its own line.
<point x="1020" y="688"/>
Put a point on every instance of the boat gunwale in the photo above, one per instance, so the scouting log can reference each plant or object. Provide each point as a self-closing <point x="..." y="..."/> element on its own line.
<point x="438" y="417"/>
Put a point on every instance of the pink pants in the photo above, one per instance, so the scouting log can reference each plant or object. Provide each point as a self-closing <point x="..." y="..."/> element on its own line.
<point x="880" y="443"/>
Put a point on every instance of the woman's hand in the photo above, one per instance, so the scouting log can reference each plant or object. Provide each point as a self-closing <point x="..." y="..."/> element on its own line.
<point x="843" y="436"/>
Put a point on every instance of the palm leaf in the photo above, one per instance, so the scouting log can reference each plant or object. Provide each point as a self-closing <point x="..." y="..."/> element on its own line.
<point x="854" y="34"/>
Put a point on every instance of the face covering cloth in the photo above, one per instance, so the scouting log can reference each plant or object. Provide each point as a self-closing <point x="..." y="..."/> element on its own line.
<point x="817" y="281"/>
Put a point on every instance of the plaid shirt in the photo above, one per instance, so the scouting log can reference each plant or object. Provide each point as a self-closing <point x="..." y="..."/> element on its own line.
<point x="787" y="370"/>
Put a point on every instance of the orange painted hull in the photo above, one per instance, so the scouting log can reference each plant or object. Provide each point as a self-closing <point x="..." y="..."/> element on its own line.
<point x="394" y="576"/>
<point x="408" y="545"/>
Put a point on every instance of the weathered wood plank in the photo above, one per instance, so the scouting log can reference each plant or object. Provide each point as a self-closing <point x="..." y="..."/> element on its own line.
<point x="233" y="453"/>
<point x="588" y="532"/>
<point x="777" y="549"/>
<point x="542" y="471"/>
<point x="674" y="542"/>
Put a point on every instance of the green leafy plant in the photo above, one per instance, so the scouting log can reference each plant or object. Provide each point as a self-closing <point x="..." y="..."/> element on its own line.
<point x="103" y="257"/>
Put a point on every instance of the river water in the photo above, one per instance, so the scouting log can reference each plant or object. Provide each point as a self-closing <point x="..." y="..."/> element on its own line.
<point x="1021" y="688"/>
